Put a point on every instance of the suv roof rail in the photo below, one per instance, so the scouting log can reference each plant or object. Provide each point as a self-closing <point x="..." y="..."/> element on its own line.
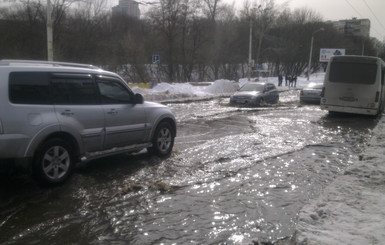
<point x="42" y="62"/>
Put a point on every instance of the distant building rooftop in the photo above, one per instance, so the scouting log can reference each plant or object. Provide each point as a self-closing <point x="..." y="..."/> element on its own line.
<point x="127" y="8"/>
<point x="353" y="27"/>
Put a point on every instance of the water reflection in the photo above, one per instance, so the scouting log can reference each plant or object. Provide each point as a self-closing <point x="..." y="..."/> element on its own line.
<point x="236" y="176"/>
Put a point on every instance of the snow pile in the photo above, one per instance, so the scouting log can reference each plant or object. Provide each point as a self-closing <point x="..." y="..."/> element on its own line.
<point x="217" y="87"/>
<point x="177" y="88"/>
<point x="166" y="91"/>
<point x="222" y="87"/>
<point x="351" y="209"/>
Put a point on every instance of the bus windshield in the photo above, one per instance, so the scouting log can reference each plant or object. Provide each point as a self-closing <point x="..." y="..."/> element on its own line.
<point x="353" y="73"/>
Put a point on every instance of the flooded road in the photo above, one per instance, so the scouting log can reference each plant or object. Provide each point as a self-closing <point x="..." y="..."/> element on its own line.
<point x="236" y="176"/>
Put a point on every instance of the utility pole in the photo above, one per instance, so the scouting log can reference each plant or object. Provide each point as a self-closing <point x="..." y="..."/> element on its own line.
<point x="251" y="16"/>
<point x="250" y="45"/>
<point x="311" y="51"/>
<point x="49" y="31"/>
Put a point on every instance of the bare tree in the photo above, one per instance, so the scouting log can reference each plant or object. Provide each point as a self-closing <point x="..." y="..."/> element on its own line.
<point x="265" y="21"/>
<point x="93" y="8"/>
<point x="211" y="9"/>
<point x="196" y="39"/>
<point x="23" y="31"/>
<point x="165" y="20"/>
<point x="291" y="43"/>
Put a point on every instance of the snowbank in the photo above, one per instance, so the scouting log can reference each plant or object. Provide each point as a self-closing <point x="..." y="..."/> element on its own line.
<point x="217" y="87"/>
<point x="166" y="91"/>
<point x="351" y="209"/>
<point x="176" y="91"/>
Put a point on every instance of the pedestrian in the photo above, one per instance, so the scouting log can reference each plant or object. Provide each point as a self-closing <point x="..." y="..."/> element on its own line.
<point x="286" y="78"/>
<point x="295" y="80"/>
<point x="290" y="78"/>
<point x="280" y="79"/>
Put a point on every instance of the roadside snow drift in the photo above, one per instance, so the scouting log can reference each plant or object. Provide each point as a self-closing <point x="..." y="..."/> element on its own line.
<point x="351" y="209"/>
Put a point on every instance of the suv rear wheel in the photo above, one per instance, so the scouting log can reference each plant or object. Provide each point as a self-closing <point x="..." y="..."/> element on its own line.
<point x="54" y="161"/>
<point x="163" y="140"/>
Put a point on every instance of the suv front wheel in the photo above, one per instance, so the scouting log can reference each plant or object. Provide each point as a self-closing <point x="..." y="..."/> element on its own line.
<point x="54" y="161"/>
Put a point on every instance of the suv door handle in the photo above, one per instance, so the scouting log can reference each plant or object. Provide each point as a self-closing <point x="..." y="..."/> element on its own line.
<point x="67" y="113"/>
<point x="112" y="112"/>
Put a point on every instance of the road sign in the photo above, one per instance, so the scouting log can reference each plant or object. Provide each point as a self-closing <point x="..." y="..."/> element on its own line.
<point x="155" y="59"/>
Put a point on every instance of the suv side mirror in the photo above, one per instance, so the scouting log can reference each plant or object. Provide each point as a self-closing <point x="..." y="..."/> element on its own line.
<point x="138" y="99"/>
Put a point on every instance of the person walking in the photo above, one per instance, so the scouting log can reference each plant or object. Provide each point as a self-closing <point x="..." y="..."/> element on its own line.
<point x="290" y="78"/>
<point x="280" y="79"/>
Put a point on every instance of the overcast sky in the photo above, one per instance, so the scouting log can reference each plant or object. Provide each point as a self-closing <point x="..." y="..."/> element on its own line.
<point x="340" y="10"/>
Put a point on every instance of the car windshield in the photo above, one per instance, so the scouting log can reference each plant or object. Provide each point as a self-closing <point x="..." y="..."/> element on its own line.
<point x="252" y="87"/>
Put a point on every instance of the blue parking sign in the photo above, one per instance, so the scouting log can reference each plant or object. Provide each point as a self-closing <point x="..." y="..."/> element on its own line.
<point x="155" y="59"/>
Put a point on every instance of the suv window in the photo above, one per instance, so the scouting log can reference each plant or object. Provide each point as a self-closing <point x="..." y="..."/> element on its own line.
<point x="114" y="92"/>
<point x="63" y="89"/>
<point x="29" y="88"/>
<point x="74" y="90"/>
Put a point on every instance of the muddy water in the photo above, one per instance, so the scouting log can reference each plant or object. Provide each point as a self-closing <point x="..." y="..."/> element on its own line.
<point x="236" y="176"/>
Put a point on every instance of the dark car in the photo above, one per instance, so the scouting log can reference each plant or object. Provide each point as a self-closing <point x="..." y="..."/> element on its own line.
<point x="255" y="94"/>
<point x="311" y="93"/>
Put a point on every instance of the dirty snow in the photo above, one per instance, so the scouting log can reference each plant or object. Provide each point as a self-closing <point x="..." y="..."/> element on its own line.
<point x="176" y="91"/>
<point x="351" y="209"/>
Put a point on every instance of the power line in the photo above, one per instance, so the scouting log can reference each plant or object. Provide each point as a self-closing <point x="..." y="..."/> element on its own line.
<point x="354" y="8"/>
<point x="374" y="15"/>
<point x="379" y="33"/>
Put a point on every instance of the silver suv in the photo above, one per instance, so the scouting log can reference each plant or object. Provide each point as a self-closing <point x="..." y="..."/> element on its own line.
<point x="54" y="114"/>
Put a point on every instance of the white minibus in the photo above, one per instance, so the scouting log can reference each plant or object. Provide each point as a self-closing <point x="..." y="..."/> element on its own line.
<point x="354" y="84"/>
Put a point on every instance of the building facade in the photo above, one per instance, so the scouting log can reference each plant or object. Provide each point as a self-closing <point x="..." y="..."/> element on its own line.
<point x="353" y="27"/>
<point x="127" y="8"/>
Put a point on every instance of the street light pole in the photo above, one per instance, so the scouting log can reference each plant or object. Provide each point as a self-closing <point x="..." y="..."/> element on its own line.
<point x="49" y="32"/>
<point x="252" y="14"/>
<point x="250" y="46"/>
<point x="311" y="52"/>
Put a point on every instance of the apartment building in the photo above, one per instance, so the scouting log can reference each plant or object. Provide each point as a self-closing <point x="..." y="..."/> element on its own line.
<point x="127" y="7"/>
<point x="353" y="27"/>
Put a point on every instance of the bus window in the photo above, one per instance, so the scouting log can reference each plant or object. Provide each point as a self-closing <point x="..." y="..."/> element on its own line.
<point x="356" y="73"/>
